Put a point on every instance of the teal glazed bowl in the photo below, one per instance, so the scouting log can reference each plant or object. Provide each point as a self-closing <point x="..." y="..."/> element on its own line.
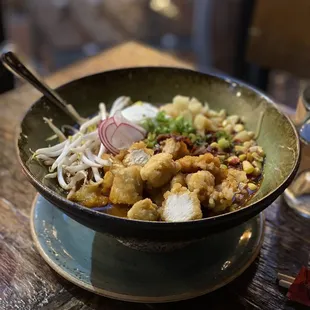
<point x="277" y="136"/>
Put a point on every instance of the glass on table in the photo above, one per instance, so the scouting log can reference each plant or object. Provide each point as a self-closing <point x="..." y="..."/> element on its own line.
<point x="297" y="195"/>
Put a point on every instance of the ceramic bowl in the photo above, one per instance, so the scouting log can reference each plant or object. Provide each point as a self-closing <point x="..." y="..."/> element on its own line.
<point x="277" y="136"/>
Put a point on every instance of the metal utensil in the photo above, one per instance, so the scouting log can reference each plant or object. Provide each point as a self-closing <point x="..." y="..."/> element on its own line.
<point x="12" y="63"/>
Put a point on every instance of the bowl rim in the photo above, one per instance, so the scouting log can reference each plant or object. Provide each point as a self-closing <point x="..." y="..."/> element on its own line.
<point x="156" y="224"/>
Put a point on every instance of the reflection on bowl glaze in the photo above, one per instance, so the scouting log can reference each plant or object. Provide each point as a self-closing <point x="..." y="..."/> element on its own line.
<point x="153" y="246"/>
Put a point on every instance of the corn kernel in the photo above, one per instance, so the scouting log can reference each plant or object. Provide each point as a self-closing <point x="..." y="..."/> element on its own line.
<point x="248" y="144"/>
<point x="242" y="157"/>
<point x="247" y="167"/>
<point x="233" y="119"/>
<point x="223" y="143"/>
<point x="239" y="149"/>
<point x="228" y="128"/>
<point x="242" y="136"/>
<point x="256" y="172"/>
<point x="214" y="145"/>
<point x="249" y="157"/>
<point x="257" y="164"/>
<point x="257" y="157"/>
<point x="221" y="157"/>
<point x="211" y="203"/>
<point x="233" y="160"/>
<point x="252" y="186"/>
<point x="238" y="128"/>
<point x="260" y="151"/>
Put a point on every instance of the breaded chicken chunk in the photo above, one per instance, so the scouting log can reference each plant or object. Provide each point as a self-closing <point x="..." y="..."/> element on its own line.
<point x="107" y="183"/>
<point x="177" y="149"/>
<point x="115" y="166"/>
<point x="144" y="210"/>
<point x="201" y="182"/>
<point x="137" y="154"/>
<point x="180" y="205"/>
<point x="190" y="164"/>
<point x="159" y="170"/>
<point x="157" y="194"/>
<point x="90" y="196"/>
<point x="127" y="186"/>
<point x="179" y="178"/>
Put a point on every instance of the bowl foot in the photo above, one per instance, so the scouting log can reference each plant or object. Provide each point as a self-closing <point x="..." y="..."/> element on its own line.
<point x="103" y="265"/>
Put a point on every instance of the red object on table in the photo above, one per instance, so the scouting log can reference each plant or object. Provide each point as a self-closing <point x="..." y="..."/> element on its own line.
<point x="299" y="291"/>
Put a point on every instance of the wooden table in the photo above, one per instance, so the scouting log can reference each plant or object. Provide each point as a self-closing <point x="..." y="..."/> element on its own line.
<point x="26" y="282"/>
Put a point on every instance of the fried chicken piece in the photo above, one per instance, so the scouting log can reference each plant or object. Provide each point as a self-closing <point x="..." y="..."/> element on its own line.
<point x="157" y="194"/>
<point x="107" y="183"/>
<point x="144" y="210"/>
<point x="180" y="205"/>
<point x="138" y="154"/>
<point x="90" y="196"/>
<point x="177" y="149"/>
<point x="159" y="170"/>
<point x="179" y="178"/>
<point x="121" y="155"/>
<point x="190" y="164"/>
<point x="116" y="164"/>
<point x="127" y="186"/>
<point x="201" y="182"/>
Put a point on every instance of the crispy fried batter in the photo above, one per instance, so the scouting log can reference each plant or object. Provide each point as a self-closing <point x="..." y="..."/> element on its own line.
<point x="177" y="149"/>
<point x="157" y="194"/>
<point x="159" y="170"/>
<point x="90" y="196"/>
<point x="144" y="210"/>
<point x="179" y="178"/>
<point x="138" y="154"/>
<point x="127" y="186"/>
<point x="201" y="182"/>
<point x="107" y="183"/>
<point x="190" y="164"/>
<point x="180" y="205"/>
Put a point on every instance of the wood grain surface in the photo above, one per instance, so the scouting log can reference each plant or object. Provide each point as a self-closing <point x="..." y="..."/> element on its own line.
<point x="278" y="37"/>
<point x="26" y="282"/>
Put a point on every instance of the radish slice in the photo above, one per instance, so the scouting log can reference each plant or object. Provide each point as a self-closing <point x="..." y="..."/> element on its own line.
<point x="117" y="133"/>
<point x="107" y="126"/>
<point x="125" y="135"/>
<point x="120" y="119"/>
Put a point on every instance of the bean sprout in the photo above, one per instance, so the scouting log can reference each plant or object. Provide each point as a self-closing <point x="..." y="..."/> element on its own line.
<point x="71" y="160"/>
<point x="57" y="131"/>
<point x="94" y="168"/>
<point x="119" y="104"/>
<point x="51" y="175"/>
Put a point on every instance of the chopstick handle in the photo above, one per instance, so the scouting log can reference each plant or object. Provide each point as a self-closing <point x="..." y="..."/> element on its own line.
<point x="285" y="277"/>
<point x="285" y="284"/>
<point x="12" y="63"/>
